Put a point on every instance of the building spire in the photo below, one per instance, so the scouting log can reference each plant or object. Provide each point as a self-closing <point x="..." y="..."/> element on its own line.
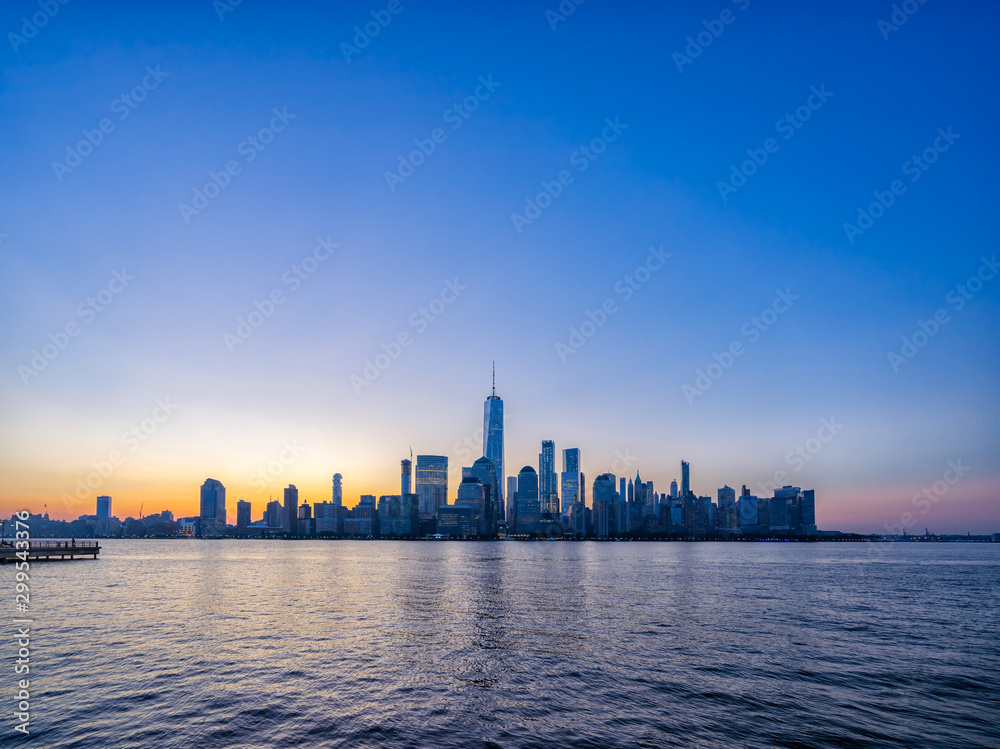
<point x="494" y="379"/>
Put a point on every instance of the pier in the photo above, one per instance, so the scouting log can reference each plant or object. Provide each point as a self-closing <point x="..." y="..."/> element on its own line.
<point x="50" y="551"/>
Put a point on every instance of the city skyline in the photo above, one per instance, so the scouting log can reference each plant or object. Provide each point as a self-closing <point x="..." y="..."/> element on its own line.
<point x="525" y="498"/>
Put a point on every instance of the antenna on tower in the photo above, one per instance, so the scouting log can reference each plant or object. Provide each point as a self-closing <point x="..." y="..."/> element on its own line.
<point x="494" y="378"/>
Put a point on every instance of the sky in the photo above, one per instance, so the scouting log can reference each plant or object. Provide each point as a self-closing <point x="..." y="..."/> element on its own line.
<point x="266" y="243"/>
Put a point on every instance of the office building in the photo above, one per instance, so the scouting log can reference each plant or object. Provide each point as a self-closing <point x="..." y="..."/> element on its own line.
<point x="493" y="433"/>
<point x="325" y="516"/>
<point x="673" y="489"/>
<point x="213" y="508"/>
<point x="432" y="483"/>
<point x="405" y="471"/>
<point x="528" y="508"/>
<point x="104" y="508"/>
<point x="485" y="471"/>
<point x="685" y="478"/>
<point x="242" y="515"/>
<point x="472" y="494"/>
<point x="548" y="491"/>
<point x="571" y="479"/>
<point x="338" y="490"/>
<point x="291" y="520"/>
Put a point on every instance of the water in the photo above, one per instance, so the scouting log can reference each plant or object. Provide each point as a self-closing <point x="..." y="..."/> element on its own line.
<point x="181" y="643"/>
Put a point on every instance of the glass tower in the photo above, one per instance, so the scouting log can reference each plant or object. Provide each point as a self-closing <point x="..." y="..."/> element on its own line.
<point x="571" y="478"/>
<point x="685" y="478"/>
<point x="432" y="482"/>
<point x="547" y="477"/>
<point x="493" y="434"/>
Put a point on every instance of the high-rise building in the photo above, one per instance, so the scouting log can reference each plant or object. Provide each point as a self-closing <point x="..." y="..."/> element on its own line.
<point x="673" y="489"/>
<point x="291" y="520"/>
<point x="274" y="516"/>
<point x="485" y="472"/>
<point x="325" y="516"/>
<point x="493" y="433"/>
<point x="528" y="507"/>
<point x="622" y="489"/>
<point x="472" y="493"/>
<point x="242" y="515"/>
<point x="103" y="508"/>
<point x="405" y="470"/>
<point x="213" y="508"/>
<point x="338" y="490"/>
<point x="511" y="495"/>
<point x="571" y="486"/>
<point x="685" y="478"/>
<point x="603" y="501"/>
<point x="432" y="483"/>
<point x="548" y="492"/>
<point x="807" y="511"/>
<point x="727" y="518"/>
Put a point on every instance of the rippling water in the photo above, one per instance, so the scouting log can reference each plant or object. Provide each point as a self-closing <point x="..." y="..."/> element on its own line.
<point x="550" y="644"/>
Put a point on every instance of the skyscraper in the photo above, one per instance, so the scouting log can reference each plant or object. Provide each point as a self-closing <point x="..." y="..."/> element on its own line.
<point x="103" y="507"/>
<point x="685" y="478"/>
<point x="570" y="478"/>
<point x="673" y="489"/>
<point x="528" y="506"/>
<point x="338" y="490"/>
<point x="548" y="493"/>
<point x="242" y="515"/>
<point x="485" y="472"/>
<point x="291" y="524"/>
<point x="472" y="493"/>
<point x="213" y="508"/>
<point x="405" y="470"/>
<point x="432" y="483"/>
<point x="493" y="433"/>
<point x="511" y="494"/>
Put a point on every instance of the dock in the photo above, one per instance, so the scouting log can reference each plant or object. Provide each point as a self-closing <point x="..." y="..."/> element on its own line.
<point x="50" y="551"/>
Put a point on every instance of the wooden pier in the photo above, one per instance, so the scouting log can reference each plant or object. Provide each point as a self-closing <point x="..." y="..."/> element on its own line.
<point x="50" y="551"/>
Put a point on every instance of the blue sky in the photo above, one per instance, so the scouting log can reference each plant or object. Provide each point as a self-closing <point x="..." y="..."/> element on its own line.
<point x="655" y="185"/>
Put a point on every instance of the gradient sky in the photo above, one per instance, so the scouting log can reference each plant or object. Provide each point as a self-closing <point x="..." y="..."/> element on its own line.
<point x="620" y="396"/>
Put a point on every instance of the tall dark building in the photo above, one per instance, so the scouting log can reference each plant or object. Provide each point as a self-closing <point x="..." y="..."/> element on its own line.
<point x="685" y="478"/>
<point x="493" y="435"/>
<point x="405" y="470"/>
<point x="242" y="515"/>
<point x="291" y="523"/>
<point x="273" y="517"/>
<point x="432" y="483"/>
<point x="485" y="471"/>
<point x="548" y="492"/>
<point x="213" y="508"/>
<point x="527" y="505"/>
<point x="103" y="508"/>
